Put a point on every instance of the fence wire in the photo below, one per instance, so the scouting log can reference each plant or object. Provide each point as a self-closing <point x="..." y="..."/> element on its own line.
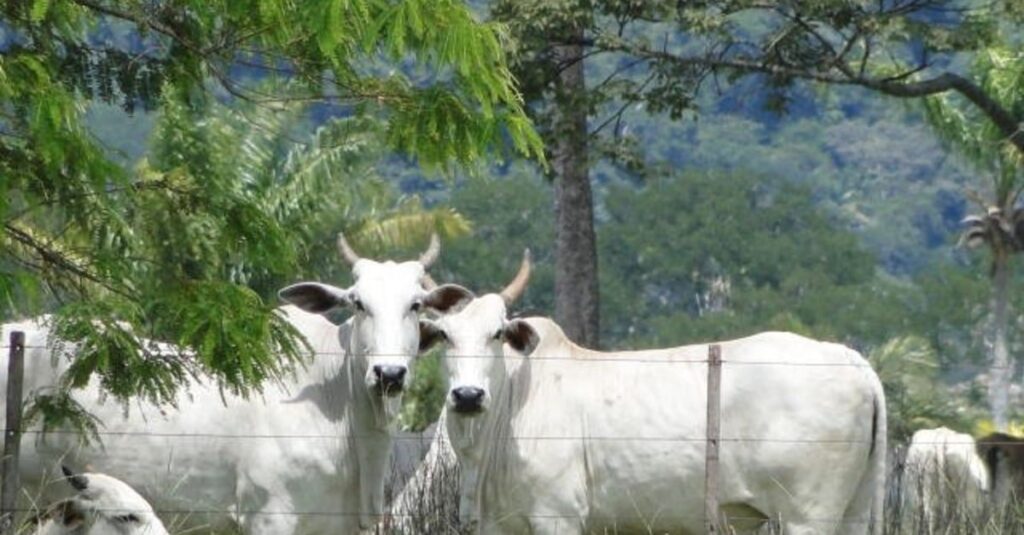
<point x="663" y="358"/>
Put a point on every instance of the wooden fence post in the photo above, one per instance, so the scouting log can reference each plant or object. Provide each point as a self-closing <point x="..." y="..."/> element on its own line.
<point x="711" y="518"/>
<point x="9" y="486"/>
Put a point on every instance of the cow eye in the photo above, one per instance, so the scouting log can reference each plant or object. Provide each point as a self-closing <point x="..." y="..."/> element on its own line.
<point x="125" y="519"/>
<point x="498" y="335"/>
<point x="356" y="302"/>
<point x="416" y="306"/>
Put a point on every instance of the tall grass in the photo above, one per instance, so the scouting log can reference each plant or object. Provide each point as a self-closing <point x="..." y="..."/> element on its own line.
<point x="949" y="512"/>
<point x="432" y="508"/>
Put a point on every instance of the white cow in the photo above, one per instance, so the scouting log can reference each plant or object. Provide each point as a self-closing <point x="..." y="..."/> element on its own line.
<point x="103" y="505"/>
<point x="943" y="479"/>
<point x="570" y="440"/>
<point x="309" y="456"/>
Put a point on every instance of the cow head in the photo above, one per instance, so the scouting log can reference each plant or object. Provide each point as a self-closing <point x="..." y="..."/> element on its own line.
<point x="385" y="301"/>
<point x="103" y="505"/>
<point x="475" y="330"/>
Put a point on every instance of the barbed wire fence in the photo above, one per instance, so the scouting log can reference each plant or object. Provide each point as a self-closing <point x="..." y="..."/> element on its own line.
<point x="438" y="513"/>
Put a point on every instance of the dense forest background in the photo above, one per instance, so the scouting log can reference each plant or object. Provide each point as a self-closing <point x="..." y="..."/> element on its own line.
<point x="830" y="211"/>
<point x="838" y="217"/>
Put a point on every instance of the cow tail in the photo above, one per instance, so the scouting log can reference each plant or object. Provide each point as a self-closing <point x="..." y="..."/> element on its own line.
<point x="874" y="480"/>
<point x="868" y="503"/>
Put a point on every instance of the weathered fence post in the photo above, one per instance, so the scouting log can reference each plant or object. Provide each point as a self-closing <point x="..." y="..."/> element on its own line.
<point x="9" y="486"/>
<point x="711" y="519"/>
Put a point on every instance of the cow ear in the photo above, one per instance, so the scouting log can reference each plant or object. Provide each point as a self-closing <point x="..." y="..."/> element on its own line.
<point x="314" y="297"/>
<point x="430" y="334"/>
<point x="78" y="481"/>
<point x="448" y="298"/>
<point x="521" y="336"/>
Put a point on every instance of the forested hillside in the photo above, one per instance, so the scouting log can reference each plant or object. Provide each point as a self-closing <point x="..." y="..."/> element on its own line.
<point x="833" y="211"/>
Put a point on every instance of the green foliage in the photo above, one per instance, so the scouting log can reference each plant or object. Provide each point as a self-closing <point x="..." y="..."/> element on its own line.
<point x="426" y="394"/>
<point x="509" y="215"/>
<point x="909" y="368"/>
<point x="998" y="71"/>
<point x="56" y="410"/>
<point x="191" y="245"/>
<point x="705" y="255"/>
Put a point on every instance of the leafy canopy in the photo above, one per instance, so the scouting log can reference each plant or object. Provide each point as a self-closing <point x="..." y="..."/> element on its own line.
<point x="189" y="245"/>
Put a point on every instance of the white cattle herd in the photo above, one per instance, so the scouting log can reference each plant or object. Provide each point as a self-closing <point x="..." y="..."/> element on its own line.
<point x="547" y="437"/>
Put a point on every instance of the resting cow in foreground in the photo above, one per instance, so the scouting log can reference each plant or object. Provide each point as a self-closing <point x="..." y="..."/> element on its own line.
<point x="308" y="456"/>
<point x="554" y="438"/>
<point x="944" y="480"/>
<point x="103" y="505"/>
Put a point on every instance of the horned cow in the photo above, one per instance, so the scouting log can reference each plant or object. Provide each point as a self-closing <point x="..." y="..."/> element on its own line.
<point x="551" y="437"/>
<point x="307" y="456"/>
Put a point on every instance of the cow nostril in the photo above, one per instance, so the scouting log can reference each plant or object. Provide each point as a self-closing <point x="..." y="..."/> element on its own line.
<point x="468" y="395"/>
<point x="389" y="374"/>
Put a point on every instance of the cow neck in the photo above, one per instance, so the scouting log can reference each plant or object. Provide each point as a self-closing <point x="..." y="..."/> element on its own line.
<point x="327" y="381"/>
<point x="495" y="450"/>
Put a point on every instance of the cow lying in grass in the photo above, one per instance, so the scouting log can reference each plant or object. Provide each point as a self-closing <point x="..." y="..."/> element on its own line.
<point x="102" y="505"/>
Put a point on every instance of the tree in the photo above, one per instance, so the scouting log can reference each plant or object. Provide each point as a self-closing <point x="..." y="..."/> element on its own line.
<point x="175" y="248"/>
<point x="549" y="36"/>
<point x="999" y="72"/>
<point x="662" y="55"/>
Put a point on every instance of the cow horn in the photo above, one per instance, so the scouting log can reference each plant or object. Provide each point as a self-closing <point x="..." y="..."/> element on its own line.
<point x="518" y="284"/>
<point x="78" y="481"/>
<point x="346" y="251"/>
<point x="433" y="250"/>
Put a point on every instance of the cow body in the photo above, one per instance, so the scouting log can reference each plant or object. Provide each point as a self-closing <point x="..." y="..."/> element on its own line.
<point x="264" y="461"/>
<point x="944" y="479"/>
<point x="633" y="454"/>
<point x="569" y="440"/>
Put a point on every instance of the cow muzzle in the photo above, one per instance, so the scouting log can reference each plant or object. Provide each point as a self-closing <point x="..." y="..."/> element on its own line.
<point x="389" y="379"/>
<point x="467" y="400"/>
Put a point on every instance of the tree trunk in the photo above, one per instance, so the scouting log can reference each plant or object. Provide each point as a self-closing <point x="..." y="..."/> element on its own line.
<point x="576" y="289"/>
<point x="1001" y="372"/>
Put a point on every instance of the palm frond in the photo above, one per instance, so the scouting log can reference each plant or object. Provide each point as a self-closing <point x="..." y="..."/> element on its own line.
<point x="409" y="227"/>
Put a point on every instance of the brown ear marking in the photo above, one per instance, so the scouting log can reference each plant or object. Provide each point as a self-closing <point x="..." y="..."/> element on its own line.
<point x="312" y="297"/>
<point x="78" y="481"/>
<point x="521" y="336"/>
<point x="448" y="298"/>
<point x="430" y="335"/>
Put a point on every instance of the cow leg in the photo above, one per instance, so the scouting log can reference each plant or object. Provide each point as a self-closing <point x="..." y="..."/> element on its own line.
<point x="264" y="505"/>
<point x="373" y="453"/>
<point x="275" y="518"/>
<point x="551" y="523"/>
<point x="820" y="526"/>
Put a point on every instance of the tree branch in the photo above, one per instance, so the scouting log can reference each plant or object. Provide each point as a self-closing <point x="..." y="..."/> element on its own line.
<point x="893" y="86"/>
<point x="51" y="257"/>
